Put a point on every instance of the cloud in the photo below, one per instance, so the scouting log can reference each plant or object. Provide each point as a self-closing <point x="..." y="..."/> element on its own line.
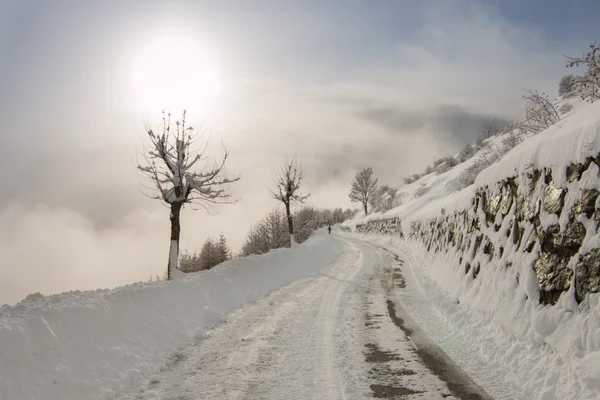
<point x="452" y="123"/>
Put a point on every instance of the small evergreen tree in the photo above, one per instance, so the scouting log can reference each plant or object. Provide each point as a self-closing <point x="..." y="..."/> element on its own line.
<point x="207" y="254"/>
<point x="189" y="262"/>
<point x="222" y="250"/>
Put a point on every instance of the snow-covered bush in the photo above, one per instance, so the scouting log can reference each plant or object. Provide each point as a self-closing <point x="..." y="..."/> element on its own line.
<point x="422" y="190"/>
<point x="467" y="152"/>
<point x="565" y="108"/>
<point x="489" y="157"/>
<point x="412" y="178"/>
<point x="540" y="112"/>
<point x="385" y="199"/>
<point x="306" y="220"/>
<point x="269" y="233"/>
<point x="566" y="86"/>
<point x="447" y="163"/>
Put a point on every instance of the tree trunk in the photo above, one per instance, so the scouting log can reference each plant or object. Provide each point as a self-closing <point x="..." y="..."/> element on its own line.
<point x="290" y="221"/>
<point x="175" y="231"/>
<point x="365" y="206"/>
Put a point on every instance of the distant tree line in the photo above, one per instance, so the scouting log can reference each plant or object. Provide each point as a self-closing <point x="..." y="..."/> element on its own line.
<point x="271" y="232"/>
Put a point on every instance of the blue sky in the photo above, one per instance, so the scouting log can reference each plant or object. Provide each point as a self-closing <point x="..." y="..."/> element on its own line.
<point x="342" y="85"/>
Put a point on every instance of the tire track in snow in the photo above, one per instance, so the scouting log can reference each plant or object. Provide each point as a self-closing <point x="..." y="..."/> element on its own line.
<point x="431" y="355"/>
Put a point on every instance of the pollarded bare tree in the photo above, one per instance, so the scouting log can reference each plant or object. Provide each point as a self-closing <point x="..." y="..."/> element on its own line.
<point x="363" y="188"/>
<point x="179" y="174"/>
<point x="286" y="189"/>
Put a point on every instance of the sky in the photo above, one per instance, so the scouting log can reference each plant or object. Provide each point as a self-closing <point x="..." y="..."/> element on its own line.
<point x="340" y="85"/>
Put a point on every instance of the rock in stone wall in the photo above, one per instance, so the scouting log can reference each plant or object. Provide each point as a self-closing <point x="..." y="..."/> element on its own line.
<point x="534" y="213"/>
<point x="388" y="226"/>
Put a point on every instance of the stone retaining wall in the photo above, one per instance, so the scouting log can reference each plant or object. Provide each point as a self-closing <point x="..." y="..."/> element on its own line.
<point x="528" y="218"/>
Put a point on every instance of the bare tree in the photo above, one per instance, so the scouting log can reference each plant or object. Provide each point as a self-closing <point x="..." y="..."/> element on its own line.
<point x="181" y="175"/>
<point x="287" y="184"/>
<point x="363" y="188"/>
<point x="588" y="85"/>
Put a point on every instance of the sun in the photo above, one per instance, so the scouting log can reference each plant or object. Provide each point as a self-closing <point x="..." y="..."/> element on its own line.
<point x="173" y="73"/>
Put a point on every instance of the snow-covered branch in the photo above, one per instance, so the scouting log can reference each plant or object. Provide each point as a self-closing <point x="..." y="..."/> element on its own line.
<point x="171" y="164"/>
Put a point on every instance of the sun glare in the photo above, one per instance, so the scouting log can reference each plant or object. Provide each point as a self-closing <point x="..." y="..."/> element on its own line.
<point x="173" y="73"/>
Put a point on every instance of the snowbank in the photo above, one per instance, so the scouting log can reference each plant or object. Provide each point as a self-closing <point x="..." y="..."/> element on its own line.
<point x="87" y="345"/>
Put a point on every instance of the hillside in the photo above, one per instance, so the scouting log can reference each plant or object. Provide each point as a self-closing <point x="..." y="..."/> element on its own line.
<point x="521" y="247"/>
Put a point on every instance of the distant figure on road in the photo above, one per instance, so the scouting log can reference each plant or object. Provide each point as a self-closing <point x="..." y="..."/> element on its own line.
<point x="329" y="229"/>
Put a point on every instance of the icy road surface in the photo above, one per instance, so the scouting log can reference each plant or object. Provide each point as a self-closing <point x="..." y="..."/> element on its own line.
<point x="335" y="335"/>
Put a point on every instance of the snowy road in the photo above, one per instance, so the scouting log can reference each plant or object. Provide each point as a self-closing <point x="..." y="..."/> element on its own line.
<point x="335" y="335"/>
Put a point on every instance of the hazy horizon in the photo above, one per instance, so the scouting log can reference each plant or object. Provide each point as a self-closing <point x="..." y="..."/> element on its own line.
<point x="339" y="85"/>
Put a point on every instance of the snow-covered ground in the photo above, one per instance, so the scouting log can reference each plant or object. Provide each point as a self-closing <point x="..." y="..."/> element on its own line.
<point x="311" y="322"/>
<point x="292" y="324"/>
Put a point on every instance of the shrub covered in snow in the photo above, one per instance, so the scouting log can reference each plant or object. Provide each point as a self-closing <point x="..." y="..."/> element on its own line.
<point x="566" y="86"/>
<point x="269" y="233"/>
<point x="385" y="199"/>
<point x="588" y="85"/>
<point x="487" y="158"/>
<point x="540" y="112"/>
<point x="565" y="108"/>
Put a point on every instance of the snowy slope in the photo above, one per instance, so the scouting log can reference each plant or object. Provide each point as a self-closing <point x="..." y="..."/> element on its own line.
<point x="88" y="345"/>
